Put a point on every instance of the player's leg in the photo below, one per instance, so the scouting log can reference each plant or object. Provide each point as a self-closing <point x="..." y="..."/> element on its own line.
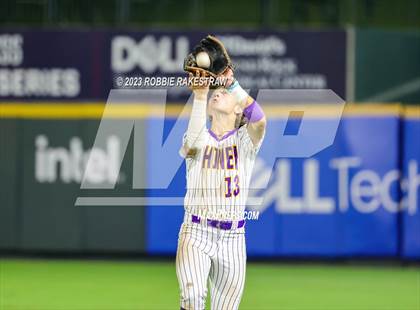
<point x="227" y="274"/>
<point x="192" y="269"/>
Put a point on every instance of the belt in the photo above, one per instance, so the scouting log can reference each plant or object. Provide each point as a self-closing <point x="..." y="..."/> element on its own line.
<point x="225" y="225"/>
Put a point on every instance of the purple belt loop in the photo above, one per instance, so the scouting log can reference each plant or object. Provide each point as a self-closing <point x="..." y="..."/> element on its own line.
<point x="253" y="112"/>
<point x="213" y="223"/>
<point x="225" y="225"/>
<point x="195" y="219"/>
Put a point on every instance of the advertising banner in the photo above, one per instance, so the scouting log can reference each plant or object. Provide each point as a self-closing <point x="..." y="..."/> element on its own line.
<point x="349" y="209"/>
<point x="85" y="65"/>
<point x="52" y="164"/>
<point x="48" y="65"/>
<point x="342" y="202"/>
<point x="410" y="186"/>
<point x="9" y="192"/>
<point x="275" y="60"/>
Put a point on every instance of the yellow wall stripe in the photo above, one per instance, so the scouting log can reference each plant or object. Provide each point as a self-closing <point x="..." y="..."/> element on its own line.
<point x="95" y="110"/>
<point x="412" y="112"/>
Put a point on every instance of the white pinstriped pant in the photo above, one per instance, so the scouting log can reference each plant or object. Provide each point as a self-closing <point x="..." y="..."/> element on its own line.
<point x="207" y="253"/>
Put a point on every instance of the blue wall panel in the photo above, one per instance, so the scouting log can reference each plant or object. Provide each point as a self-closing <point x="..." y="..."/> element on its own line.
<point x="362" y="222"/>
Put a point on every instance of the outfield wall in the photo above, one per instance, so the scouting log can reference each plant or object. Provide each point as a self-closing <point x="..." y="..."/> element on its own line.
<point x="353" y="209"/>
<point x="84" y="64"/>
<point x="48" y="126"/>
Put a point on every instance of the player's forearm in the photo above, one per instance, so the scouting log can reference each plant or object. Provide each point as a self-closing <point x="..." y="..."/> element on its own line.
<point x="246" y="101"/>
<point x="256" y="120"/>
<point x="197" y="122"/>
<point x="255" y="115"/>
<point x="242" y="97"/>
<point x="240" y="94"/>
<point x="256" y="130"/>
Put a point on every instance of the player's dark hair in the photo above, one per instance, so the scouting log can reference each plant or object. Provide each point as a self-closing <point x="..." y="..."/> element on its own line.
<point x="241" y="120"/>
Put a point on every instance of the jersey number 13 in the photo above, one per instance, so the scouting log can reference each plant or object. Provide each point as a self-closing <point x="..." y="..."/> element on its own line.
<point x="232" y="187"/>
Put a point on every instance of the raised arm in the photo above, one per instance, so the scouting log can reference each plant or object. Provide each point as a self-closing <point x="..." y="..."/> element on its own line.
<point x="252" y="110"/>
<point x="197" y="123"/>
<point x="257" y="120"/>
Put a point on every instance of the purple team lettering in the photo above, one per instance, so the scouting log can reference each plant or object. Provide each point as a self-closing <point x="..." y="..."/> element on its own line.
<point x="220" y="158"/>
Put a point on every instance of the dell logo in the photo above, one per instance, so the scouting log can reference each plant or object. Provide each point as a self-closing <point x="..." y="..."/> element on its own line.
<point x="150" y="54"/>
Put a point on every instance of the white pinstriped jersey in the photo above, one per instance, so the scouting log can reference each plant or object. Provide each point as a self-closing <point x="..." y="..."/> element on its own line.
<point x="218" y="176"/>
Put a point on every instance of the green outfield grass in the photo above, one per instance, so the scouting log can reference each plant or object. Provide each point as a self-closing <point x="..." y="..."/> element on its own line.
<point x="74" y="285"/>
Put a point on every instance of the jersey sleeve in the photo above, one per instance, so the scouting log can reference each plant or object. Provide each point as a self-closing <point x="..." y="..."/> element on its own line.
<point x="246" y="142"/>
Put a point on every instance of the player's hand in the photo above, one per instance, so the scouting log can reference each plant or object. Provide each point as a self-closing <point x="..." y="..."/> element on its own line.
<point x="200" y="85"/>
<point x="228" y="75"/>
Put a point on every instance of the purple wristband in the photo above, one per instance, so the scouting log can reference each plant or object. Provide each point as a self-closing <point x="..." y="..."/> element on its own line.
<point x="253" y="112"/>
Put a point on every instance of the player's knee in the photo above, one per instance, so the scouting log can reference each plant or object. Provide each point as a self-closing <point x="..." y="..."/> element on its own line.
<point x="193" y="302"/>
<point x="192" y="297"/>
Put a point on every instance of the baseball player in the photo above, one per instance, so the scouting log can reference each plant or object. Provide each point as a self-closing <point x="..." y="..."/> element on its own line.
<point x="219" y="162"/>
